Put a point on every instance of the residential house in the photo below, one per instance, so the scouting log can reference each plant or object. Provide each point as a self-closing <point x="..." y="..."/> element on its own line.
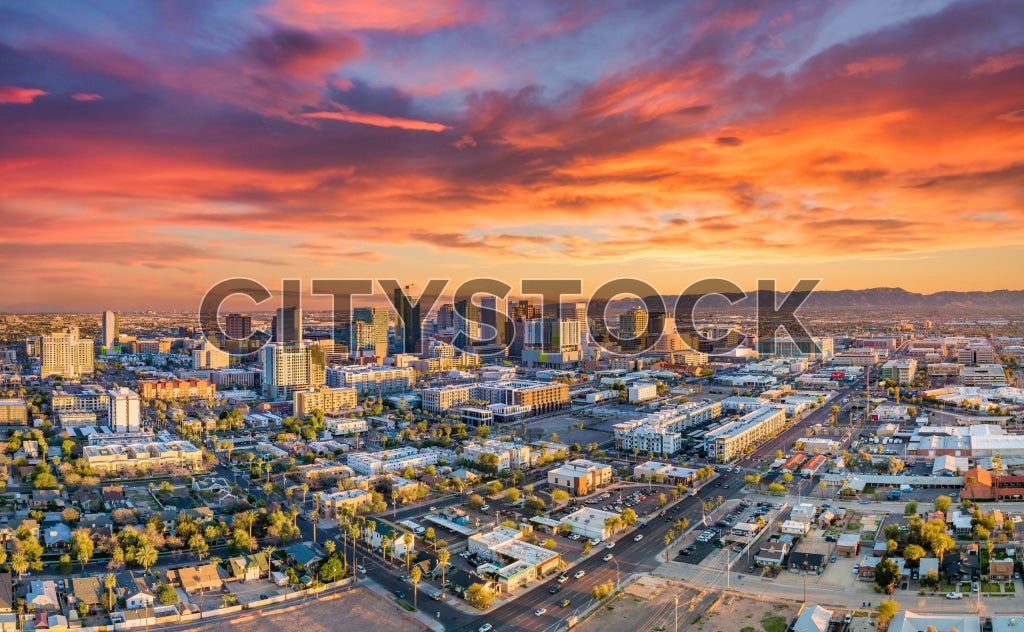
<point x="1000" y="570"/>
<point x="303" y="555"/>
<point x="848" y="544"/>
<point x="962" y="524"/>
<point x="813" y="619"/>
<point x="86" y="590"/>
<point x="810" y="562"/>
<point x="961" y="566"/>
<point x="193" y="579"/>
<point x="246" y="567"/>
<point x="926" y="564"/>
<point x="907" y="621"/>
<point x="771" y="555"/>
<point x="112" y="494"/>
<point x="42" y="594"/>
<point x="138" y="595"/>
<point x="6" y="593"/>
<point x="794" y="527"/>
<point x="57" y="536"/>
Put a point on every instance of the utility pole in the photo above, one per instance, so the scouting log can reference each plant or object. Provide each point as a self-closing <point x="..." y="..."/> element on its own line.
<point x="677" y="613"/>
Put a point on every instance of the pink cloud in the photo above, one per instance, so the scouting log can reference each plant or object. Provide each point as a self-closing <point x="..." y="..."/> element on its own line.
<point x="86" y="96"/>
<point x="872" y="65"/>
<point x="14" y="94"/>
<point x="998" y="63"/>
<point x="377" y="120"/>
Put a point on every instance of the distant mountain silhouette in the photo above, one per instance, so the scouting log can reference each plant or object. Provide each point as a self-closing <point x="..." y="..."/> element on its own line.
<point x="873" y="299"/>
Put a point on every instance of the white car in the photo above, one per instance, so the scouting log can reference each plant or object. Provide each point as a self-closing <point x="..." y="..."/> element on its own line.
<point x="607" y="558"/>
<point x="611" y="545"/>
<point x="579" y="574"/>
<point x="954" y="595"/>
<point x="638" y="537"/>
<point x="539" y="611"/>
<point x="487" y="627"/>
<point x="595" y="541"/>
<point x="361" y="569"/>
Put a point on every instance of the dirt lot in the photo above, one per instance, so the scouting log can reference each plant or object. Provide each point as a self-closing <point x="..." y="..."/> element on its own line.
<point x="363" y="610"/>
<point x="743" y="614"/>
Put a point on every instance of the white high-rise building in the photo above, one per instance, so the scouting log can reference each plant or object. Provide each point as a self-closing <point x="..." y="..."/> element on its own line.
<point x="63" y="353"/>
<point x="291" y="367"/>
<point x="209" y="357"/>
<point x="111" y="325"/>
<point x="124" y="410"/>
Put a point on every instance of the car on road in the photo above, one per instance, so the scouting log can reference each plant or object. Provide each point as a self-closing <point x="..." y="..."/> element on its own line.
<point x="361" y="569"/>
<point x="579" y="574"/>
<point x="433" y="509"/>
<point x="485" y="508"/>
<point x="399" y="594"/>
<point x="611" y="545"/>
<point x="954" y="595"/>
<point x="638" y="537"/>
<point x="848" y="619"/>
<point x="487" y="627"/>
<point x="607" y="558"/>
<point x="832" y="559"/>
<point x="555" y="589"/>
<point x="539" y="611"/>
<point x="564" y="603"/>
<point x="864" y="502"/>
<point x="563" y="579"/>
<point x="595" y="541"/>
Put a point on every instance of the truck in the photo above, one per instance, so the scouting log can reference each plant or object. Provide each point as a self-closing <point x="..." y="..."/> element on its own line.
<point x="894" y="494"/>
<point x="413" y="526"/>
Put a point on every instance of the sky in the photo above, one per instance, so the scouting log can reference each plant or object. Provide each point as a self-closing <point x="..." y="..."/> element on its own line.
<point x="150" y="150"/>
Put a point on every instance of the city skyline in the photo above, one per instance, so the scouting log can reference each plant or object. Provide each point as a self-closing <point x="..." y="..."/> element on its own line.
<point x="152" y="151"/>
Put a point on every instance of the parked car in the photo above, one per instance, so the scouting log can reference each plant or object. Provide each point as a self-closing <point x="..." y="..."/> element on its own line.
<point x="954" y="595"/>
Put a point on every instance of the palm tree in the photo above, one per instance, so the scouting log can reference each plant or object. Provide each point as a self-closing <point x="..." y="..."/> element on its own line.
<point x="416" y="575"/>
<point x="305" y="490"/>
<point x="442" y="559"/>
<point x="314" y="516"/>
<point x="330" y="546"/>
<point x="385" y="542"/>
<point x="146" y="556"/>
<point x="353" y="533"/>
<point x="109" y="581"/>
<point x="671" y="535"/>
<point x="394" y="504"/>
<point x="228" y="599"/>
<point x="407" y="541"/>
<point x="394" y="540"/>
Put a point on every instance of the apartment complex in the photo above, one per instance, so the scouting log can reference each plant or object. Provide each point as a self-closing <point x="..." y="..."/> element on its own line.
<point x="209" y="357"/>
<point x="131" y="457"/>
<point x="541" y="397"/>
<point x="291" y="367"/>
<point x="124" y="410"/>
<point x="192" y="388"/>
<point x="325" y="398"/>
<point x="734" y="438"/>
<point x="510" y="455"/>
<point x="441" y="399"/>
<point x="64" y="354"/>
<point x="372" y="380"/>
<point x="13" y="412"/>
<point x="860" y="356"/>
<point x="661" y="432"/>
<point x="812" y="349"/>
<point x="351" y="498"/>
<point x="373" y="463"/>
<point x="580" y="476"/>
<point x="900" y="371"/>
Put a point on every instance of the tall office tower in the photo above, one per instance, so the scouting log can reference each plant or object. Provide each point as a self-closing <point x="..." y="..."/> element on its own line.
<point x="633" y="329"/>
<point x="656" y="327"/>
<point x="124" y="410"/>
<point x="286" y="325"/>
<point x="491" y="320"/>
<point x="445" y="317"/>
<point x="369" y="332"/>
<point x="291" y="367"/>
<point x="522" y="310"/>
<point x="239" y="326"/>
<point x="467" y="322"/>
<point x="110" y="327"/>
<point x="409" y="327"/>
<point x="578" y="313"/>
<point x="63" y="353"/>
<point x="552" y="335"/>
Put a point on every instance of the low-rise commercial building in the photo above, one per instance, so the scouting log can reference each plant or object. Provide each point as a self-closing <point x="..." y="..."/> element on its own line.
<point x="372" y="380"/>
<point x="192" y="388"/>
<point x="132" y="457"/>
<point x="580" y="477"/>
<point x="509" y="455"/>
<point x="324" y="398"/>
<point x="590" y="523"/>
<point x="735" y="438"/>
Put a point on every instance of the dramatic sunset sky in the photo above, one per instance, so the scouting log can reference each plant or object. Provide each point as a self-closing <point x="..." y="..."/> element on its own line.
<point x="150" y="149"/>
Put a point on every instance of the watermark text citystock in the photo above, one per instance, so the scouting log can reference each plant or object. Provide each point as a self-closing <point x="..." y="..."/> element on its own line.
<point x="774" y="311"/>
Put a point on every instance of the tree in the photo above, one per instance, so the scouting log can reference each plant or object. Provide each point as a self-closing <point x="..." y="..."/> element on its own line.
<point x="913" y="553"/>
<point x="587" y="546"/>
<point x="629" y="516"/>
<point x="943" y="503"/>
<point x="330" y="546"/>
<point x="475" y="501"/>
<point x="442" y="560"/>
<point x="166" y="594"/>
<point x="887" y="609"/>
<point x="887" y="575"/>
<point x="669" y="537"/>
<point x="82" y="546"/>
<point x="416" y="575"/>
<point x="314" y="517"/>
<point x="910" y="508"/>
<point x="146" y="556"/>
<point x="941" y="545"/>
<point x="19" y="564"/>
<point x="662" y="499"/>
<point x="227" y="600"/>
<point x="332" y="570"/>
<point x="70" y="516"/>
<point x="109" y="581"/>
<point x="559" y="495"/>
<point x="511" y="495"/>
<point x="891" y="547"/>
<point x="479" y="596"/>
<point x="407" y="541"/>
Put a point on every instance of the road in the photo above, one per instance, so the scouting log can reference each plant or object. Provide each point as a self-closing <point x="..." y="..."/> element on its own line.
<point x="631" y="557"/>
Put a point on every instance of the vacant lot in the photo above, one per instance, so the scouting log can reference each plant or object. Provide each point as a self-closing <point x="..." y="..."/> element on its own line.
<point x="356" y="610"/>
<point x="746" y="615"/>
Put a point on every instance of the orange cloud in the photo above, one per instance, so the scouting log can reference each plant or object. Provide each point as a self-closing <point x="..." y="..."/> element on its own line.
<point x="873" y="65"/>
<point x="14" y="94"/>
<point x="377" y="120"/>
<point x="999" y="63"/>
<point x="86" y="96"/>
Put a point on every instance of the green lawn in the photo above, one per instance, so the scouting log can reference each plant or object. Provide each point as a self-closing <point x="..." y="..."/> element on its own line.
<point x="774" y="623"/>
<point x="1009" y="587"/>
<point x="989" y="587"/>
<point x="965" y="587"/>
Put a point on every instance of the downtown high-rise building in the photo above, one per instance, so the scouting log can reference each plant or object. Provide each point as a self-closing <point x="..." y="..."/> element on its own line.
<point x="409" y="324"/>
<point x="633" y="327"/>
<point x="238" y="326"/>
<point x="124" y="410"/>
<point x="467" y="322"/>
<point x="286" y="325"/>
<point x="445" y="318"/>
<point x="64" y="354"/>
<point x="291" y="367"/>
<point x="369" y="332"/>
<point x="110" y="328"/>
